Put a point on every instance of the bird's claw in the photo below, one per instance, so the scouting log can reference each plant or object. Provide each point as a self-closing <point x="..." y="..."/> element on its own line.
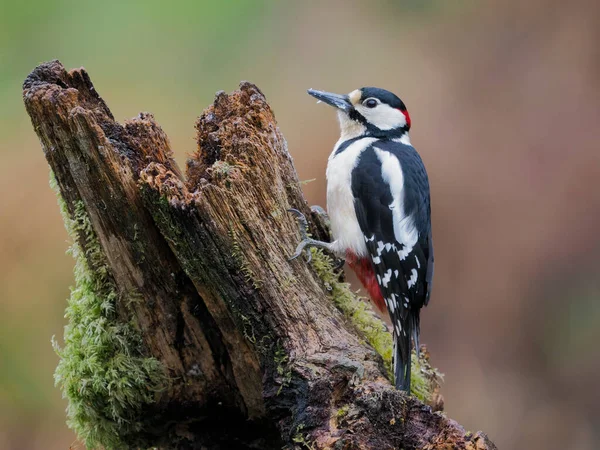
<point x="303" y="225"/>
<point x="306" y="241"/>
<point x="301" y="247"/>
<point x="301" y="218"/>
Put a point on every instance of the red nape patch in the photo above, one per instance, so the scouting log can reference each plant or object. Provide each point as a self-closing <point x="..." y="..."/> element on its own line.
<point x="405" y="112"/>
<point x="363" y="267"/>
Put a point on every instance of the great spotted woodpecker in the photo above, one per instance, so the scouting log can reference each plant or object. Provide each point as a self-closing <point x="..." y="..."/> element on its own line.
<point x="379" y="208"/>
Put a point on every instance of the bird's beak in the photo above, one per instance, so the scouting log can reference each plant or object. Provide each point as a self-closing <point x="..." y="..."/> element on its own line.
<point x="339" y="101"/>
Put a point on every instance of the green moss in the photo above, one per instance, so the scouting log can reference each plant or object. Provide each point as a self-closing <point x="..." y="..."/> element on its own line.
<point x="248" y="329"/>
<point x="288" y="282"/>
<point x="303" y="440"/>
<point x="342" y="412"/>
<point x="282" y="367"/>
<point x="420" y="379"/>
<point x="353" y="307"/>
<point x="102" y="371"/>
<point x="423" y="377"/>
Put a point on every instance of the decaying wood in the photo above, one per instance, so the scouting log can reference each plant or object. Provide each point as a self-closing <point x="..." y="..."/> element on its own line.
<point x="257" y="355"/>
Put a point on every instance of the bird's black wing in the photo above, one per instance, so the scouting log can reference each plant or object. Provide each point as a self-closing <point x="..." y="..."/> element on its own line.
<point x="391" y="199"/>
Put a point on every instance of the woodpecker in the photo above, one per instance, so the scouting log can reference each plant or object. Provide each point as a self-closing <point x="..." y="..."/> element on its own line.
<point x="379" y="208"/>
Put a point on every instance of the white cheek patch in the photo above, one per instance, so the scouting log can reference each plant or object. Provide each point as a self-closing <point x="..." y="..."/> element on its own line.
<point x="383" y="116"/>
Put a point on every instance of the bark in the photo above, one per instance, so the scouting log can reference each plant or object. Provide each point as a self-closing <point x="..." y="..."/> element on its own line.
<point x="255" y="351"/>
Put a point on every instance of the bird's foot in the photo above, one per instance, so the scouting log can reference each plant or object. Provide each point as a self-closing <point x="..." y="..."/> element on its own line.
<point x="306" y="243"/>
<point x="338" y="263"/>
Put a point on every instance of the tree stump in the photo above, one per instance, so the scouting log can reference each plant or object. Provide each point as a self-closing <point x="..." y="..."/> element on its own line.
<point x="188" y="326"/>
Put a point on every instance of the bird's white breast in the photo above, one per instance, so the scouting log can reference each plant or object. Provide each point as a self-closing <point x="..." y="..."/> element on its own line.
<point x="340" y="201"/>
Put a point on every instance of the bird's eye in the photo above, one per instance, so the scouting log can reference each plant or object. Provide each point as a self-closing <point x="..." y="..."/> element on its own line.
<point x="370" y="103"/>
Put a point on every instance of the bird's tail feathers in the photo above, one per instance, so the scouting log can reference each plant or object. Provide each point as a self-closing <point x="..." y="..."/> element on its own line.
<point x="415" y="324"/>
<point x="402" y="361"/>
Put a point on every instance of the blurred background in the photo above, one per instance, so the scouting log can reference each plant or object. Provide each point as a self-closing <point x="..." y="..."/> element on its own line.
<point x="505" y="103"/>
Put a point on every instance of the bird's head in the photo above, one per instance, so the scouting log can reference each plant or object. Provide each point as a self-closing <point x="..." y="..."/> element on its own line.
<point x="368" y="111"/>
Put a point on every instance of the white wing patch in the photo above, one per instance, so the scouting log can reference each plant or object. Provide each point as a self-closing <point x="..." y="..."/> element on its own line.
<point x="386" y="278"/>
<point x="413" y="278"/>
<point x="405" y="230"/>
<point x="402" y="254"/>
<point x="393" y="305"/>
